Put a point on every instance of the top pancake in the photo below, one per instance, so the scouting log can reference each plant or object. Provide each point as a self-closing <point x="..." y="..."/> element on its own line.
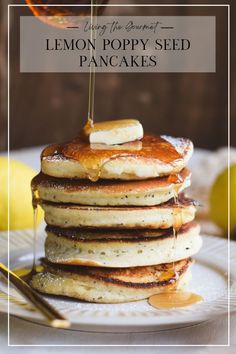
<point x="153" y="156"/>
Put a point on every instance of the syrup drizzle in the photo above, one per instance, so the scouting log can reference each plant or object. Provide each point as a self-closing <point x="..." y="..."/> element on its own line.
<point x="174" y="298"/>
<point x="27" y="273"/>
<point x="93" y="160"/>
<point x="35" y="239"/>
<point x="92" y="70"/>
<point x="177" y="223"/>
<point x="35" y="203"/>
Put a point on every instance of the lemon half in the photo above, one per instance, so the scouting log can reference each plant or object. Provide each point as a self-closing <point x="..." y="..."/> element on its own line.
<point x="218" y="199"/>
<point x="20" y="198"/>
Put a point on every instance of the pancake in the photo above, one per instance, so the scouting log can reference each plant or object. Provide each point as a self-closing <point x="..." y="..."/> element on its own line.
<point x="110" y="192"/>
<point x="151" y="157"/>
<point x="122" y="248"/>
<point x="111" y="285"/>
<point x="160" y="216"/>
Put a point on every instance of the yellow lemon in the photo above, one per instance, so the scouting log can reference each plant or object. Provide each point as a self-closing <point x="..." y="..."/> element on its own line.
<point x="20" y="199"/>
<point x="219" y="199"/>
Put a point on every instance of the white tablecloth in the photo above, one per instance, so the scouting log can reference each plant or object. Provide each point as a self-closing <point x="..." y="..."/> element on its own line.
<point x="25" y="333"/>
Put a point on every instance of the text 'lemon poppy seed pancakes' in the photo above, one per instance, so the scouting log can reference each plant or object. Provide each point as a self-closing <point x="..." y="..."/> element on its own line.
<point x="120" y="227"/>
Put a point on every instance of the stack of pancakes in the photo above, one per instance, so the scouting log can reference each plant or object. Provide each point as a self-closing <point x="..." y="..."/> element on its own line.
<point x="127" y="234"/>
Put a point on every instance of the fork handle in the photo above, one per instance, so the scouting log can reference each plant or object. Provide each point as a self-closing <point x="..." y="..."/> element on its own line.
<point x="53" y="317"/>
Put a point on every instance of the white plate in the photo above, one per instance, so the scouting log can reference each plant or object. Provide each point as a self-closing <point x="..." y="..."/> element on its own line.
<point x="209" y="280"/>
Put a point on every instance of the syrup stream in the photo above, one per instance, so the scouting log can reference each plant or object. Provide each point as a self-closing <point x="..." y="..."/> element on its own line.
<point x="35" y="239"/>
<point x="92" y="71"/>
<point x="26" y="273"/>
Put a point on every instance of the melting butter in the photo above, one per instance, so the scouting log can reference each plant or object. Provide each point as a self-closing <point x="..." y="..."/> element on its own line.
<point x="132" y="146"/>
<point x="113" y="132"/>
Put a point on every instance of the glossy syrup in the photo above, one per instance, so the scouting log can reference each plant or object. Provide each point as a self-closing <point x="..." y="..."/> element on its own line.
<point x="174" y="299"/>
<point x="92" y="72"/>
<point x="35" y="203"/>
<point x="27" y="273"/>
<point x="93" y="159"/>
<point x="63" y="16"/>
<point x="177" y="222"/>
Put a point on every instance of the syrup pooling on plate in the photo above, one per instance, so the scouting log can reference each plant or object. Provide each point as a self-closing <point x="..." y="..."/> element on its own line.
<point x="92" y="160"/>
<point x="174" y="299"/>
<point x="25" y="273"/>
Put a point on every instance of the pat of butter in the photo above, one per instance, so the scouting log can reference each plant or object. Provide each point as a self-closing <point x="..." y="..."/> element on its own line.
<point x="114" y="132"/>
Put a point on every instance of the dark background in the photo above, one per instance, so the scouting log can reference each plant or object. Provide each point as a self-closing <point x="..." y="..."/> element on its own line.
<point x="48" y="108"/>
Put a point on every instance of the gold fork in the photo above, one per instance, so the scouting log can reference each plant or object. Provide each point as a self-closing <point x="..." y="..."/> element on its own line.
<point x="53" y="317"/>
